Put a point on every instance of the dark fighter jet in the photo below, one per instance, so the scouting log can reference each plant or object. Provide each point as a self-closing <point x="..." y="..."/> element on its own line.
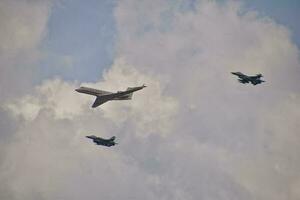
<point x="104" y="142"/>
<point x="249" y="79"/>
<point x="103" y="96"/>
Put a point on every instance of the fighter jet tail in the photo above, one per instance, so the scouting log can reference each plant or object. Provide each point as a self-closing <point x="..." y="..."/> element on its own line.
<point x="112" y="138"/>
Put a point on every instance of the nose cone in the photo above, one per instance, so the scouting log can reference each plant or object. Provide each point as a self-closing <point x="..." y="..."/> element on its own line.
<point x="90" y="136"/>
<point x="77" y="90"/>
<point x="237" y="73"/>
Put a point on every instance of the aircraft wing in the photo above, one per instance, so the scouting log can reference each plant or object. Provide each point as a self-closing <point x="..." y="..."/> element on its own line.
<point x="98" y="102"/>
<point x="243" y="81"/>
<point x="255" y="82"/>
<point x="92" y="91"/>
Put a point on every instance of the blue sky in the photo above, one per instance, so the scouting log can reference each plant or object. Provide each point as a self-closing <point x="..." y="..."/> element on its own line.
<point x="81" y="37"/>
<point x="80" y="40"/>
<point x="285" y="12"/>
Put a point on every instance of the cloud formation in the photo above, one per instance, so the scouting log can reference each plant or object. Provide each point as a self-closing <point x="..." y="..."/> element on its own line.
<point x="193" y="133"/>
<point x="23" y="27"/>
<point x="55" y="121"/>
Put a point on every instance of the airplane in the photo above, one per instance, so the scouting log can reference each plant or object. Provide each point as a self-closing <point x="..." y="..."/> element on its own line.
<point x="249" y="79"/>
<point x="104" y="96"/>
<point x="104" y="142"/>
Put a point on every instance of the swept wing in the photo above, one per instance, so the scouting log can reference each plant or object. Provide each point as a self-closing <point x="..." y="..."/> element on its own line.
<point x="99" y="100"/>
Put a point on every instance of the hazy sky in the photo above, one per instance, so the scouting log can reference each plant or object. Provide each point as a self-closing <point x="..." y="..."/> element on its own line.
<point x="193" y="133"/>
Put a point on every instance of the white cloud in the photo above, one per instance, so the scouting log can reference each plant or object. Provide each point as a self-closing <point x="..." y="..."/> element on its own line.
<point x="197" y="51"/>
<point x="23" y="26"/>
<point x="52" y="139"/>
<point x="150" y="106"/>
<point x="193" y="133"/>
<point x="28" y="108"/>
<point x="55" y="95"/>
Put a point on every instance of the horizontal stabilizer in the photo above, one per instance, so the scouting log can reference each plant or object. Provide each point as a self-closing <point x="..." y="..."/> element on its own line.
<point x="129" y="96"/>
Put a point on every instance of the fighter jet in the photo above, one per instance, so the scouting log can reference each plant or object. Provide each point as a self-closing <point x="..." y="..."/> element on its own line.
<point x="249" y="79"/>
<point x="104" y="142"/>
<point x="104" y="96"/>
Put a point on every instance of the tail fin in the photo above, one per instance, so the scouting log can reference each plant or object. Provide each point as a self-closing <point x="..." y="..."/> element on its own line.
<point x="112" y="138"/>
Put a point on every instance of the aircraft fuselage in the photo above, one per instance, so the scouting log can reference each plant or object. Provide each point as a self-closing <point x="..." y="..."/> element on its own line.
<point x="104" y="96"/>
<point x="248" y="79"/>
<point x="101" y="141"/>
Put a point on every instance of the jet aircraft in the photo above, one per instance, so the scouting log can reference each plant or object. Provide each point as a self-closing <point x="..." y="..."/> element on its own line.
<point x="104" y="96"/>
<point x="249" y="79"/>
<point x="104" y="142"/>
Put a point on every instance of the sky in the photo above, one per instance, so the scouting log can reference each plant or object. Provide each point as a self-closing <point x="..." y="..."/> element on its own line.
<point x="193" y="133"/>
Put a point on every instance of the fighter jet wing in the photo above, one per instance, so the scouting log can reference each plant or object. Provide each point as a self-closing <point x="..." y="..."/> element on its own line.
<point x="243" y="81"/>
<point x="99" y="101"/>
<point x="255" y="82"/>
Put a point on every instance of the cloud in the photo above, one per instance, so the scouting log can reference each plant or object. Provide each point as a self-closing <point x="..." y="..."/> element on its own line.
<point x="61" y="98"/>
<point x="23" y="27"/>
<point x="197" y="50"/>
<point x="274" y="166"/>
<point x="194" y="132"/>
<point x="55" y="120"/>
